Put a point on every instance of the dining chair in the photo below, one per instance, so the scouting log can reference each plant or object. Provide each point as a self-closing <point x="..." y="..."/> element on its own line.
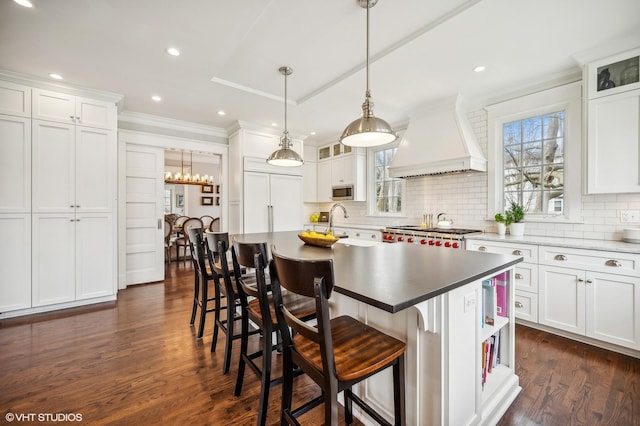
<point x="206" y="221"/>
<point x="337" y="353"/>
<point x="183" y="239"/>
<point x="168" y="242"/>
<point x="258" y="308"/>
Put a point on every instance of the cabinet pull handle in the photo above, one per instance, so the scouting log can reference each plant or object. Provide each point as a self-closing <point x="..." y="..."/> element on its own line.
<point x="580" y="280"/>
<point x="357" y="234"/>
<point x="482" y="248"/>
<point x="517" y="252"/>
<point x="79" y="120"/>
<point x="373" y="236"/>
<point x="589" y="282"/>
<point x="159" y="224"/>
<point x="560" y="257"/>
<point x="72" y="206"/>
<point x="518" y="276"/>
<point x="73" y="118"/>
<point x="612" y="262"/>
<point x="519" y="304"/>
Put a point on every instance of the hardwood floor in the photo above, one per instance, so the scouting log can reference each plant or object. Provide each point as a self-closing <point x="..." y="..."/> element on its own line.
<point x="137" y="361"/>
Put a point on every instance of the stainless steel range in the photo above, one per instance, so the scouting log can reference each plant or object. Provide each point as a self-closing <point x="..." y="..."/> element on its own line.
<point x="438" y="237"/>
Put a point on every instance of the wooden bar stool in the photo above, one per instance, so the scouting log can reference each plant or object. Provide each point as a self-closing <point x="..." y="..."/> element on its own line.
<point x="336" y="354"/>
<point x="202" y="277"/>
<point x="260" y="311"/>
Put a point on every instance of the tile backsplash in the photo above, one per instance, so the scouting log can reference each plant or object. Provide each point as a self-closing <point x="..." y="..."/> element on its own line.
<point x="463" y="197"/>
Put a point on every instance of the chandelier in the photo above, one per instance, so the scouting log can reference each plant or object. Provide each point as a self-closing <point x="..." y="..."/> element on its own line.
<point x="187" y="179"/>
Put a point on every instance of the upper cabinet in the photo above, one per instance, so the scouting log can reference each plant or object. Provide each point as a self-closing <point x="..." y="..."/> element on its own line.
<point x="15" y="99"/>
<point x="341" y="165"/>
<point x="63" y="108"/>
<point x="613" y="124"/>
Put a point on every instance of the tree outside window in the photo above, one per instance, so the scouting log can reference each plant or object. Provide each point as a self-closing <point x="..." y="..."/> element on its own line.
<point x="388" y="190"/>
<point x="533" y="163"/>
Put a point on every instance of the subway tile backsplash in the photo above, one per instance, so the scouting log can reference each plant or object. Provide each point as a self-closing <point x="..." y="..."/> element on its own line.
<point x="463" y="197"/>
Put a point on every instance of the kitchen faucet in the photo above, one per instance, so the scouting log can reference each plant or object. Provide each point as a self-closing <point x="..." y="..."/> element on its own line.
<point x="346" y="215"/>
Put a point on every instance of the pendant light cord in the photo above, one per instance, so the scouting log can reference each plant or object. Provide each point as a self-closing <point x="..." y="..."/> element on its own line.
<point x="367" y="62"/>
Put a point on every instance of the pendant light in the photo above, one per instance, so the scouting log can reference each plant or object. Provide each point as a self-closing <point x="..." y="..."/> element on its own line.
<point x="367" y="130"/>
<point x="285" y="156"/>
<point x="189" y="178"/>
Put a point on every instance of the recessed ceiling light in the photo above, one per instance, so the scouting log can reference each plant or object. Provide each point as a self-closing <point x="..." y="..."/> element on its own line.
<point x="156" y="98"/>
<point x="312" y="133"/>
<point x="221" y="112"/>
<point x="55" y="76"/>
<point x="173" y="51"/>
<point x="274" y="124"/>
<point x="24" y="3"/>
<point x="479" y="68"/>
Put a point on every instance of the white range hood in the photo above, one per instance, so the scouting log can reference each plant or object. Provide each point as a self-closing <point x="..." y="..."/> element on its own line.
<point x="438" y="140"/>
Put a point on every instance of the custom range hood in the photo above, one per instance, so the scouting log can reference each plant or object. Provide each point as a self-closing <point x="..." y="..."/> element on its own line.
<point x="438" y="140"/>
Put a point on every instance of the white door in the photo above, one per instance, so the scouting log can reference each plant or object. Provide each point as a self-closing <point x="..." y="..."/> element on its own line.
<point x="95" y="255"/>
<point x="15" y="163"/>
<point x="53" y="167"/>
<point x="53" y="258"/>
<point x="95" y="168"/>
<point x="286" y="202"/>
<point x="256" y="202"/>
<point x="562" y="298"/>
<point x="144" y="214"/>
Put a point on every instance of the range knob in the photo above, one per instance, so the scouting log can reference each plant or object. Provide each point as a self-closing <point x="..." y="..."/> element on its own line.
<point x="409" y="240"/>
<point x="387" y="237"/>
<point x="400" y="239"/>
<point x="438" y="243"/>
<point x="455" y="245"/>
<point x="447" y="244"/>
<point x="423" y="241"/>
<point x="431" y="242"/>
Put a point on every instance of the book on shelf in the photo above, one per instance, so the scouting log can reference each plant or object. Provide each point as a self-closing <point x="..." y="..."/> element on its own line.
<point x="501" y="295"/>
<point x="489" y="303"/>
<point x="490" y="355"/>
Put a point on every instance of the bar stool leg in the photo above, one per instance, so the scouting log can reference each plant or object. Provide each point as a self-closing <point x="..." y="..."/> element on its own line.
<point x="265" y="380"/>
<point x="398" y="391"/>
<point x="348" y="406"/>
<point x="196" y="292"/>
<point x="203" y="306"/>
<point x="231" y="303"/>
<point x="244" y="337"/>
<point x="216" y="317"/>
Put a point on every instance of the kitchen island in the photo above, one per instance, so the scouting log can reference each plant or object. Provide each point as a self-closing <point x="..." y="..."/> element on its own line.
<point x="433" y="300"/>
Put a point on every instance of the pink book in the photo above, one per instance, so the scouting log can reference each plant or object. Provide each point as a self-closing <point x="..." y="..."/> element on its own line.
<point x="501" y="295"/>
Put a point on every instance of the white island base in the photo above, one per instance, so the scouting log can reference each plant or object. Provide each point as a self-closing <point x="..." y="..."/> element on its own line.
<point x="444" y="370"/>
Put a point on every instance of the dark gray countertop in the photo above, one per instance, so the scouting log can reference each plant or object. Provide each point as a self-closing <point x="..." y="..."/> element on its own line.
<point x="391" y="277"/>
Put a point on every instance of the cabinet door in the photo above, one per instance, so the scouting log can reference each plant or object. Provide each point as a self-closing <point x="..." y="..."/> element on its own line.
<point x="94" y="269"/>
<point x="53" y="259"/>
<point x="53" y="167"/>
<point x="562" y="298"/>
<point x="342" y="171"/>
<point x="95" y="151"/>
<point x="286" y="202"/>
<point x="259" y="145"/>
<point x="15" y="262"/>
<point x="53" y="106"/>
<point x="324" y="181"/>
<point x="614" y="128"/>
<point x="94" y="113"/>
<point x="613" y="309"/>
<point x="15" y="99"/>
<point x="15" y="163"/>
<point x="256" y="202"/>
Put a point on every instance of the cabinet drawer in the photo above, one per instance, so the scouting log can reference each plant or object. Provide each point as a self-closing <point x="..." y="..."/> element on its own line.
<point x="529" y="252"/>
<point x="366" y="235"/>
<point x="526" y="306"/>
<point x="592" y="260"/>
<point x="526" y="277"/>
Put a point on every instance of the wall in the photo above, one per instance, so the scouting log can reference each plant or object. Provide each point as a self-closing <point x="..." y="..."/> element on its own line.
<point x="464" y="198"/>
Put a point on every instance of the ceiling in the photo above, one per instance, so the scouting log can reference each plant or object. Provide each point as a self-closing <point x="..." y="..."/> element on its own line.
<point x="421" y="51"/>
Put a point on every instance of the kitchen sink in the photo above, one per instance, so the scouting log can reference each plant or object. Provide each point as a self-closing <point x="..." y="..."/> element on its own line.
<point x="354" y="242"/>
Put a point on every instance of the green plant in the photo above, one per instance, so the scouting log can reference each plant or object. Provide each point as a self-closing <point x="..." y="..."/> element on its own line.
<point x="515" y="213"/>
<point x="500" y="218"/>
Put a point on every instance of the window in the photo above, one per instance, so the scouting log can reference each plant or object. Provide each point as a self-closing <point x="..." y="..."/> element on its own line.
<point x="534" y="144"/>
<point x="387" y="191"/>
<point x="534" y="163"/>
<point x="167" y="200"/>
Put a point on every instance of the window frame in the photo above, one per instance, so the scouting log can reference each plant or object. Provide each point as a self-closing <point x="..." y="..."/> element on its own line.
<point x="371" y="183"/>
<point x="566" y="98"/>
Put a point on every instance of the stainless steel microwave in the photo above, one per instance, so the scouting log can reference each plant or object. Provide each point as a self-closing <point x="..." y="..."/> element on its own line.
<point x="342" y="192"/>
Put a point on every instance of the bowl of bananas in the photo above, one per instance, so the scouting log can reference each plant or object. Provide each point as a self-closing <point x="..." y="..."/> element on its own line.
<point x="317" y="239"/>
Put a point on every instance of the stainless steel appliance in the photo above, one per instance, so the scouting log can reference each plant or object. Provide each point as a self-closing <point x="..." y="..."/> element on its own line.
<point x="342" y="193"/>
<point x="410" y="234"/>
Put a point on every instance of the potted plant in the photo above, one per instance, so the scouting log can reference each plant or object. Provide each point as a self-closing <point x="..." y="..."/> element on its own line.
<point x="515" y="215"/>
<point x="502" y="221"/>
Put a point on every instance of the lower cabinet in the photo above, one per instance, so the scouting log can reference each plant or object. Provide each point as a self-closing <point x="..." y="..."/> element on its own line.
<point x="15" y="262"/>
<point x="73" y="257"/>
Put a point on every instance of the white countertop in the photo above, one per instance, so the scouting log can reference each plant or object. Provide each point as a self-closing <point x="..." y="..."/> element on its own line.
<point x="580" y="243"/>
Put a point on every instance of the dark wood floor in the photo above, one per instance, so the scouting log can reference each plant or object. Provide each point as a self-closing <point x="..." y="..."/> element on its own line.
<point x="137" y="362"/>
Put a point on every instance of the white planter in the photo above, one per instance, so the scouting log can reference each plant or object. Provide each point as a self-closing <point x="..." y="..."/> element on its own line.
<point x="502" y="228"/>
<point x="516" y="229"/>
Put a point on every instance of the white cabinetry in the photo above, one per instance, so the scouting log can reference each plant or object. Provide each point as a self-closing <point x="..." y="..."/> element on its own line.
<point x="15" y="261"/>
<point x="15" y="163"/>
<point x="525" y="275"/>
<point x="272" y="203"/>
<point x="310" y="175"/>
<point x="591" y="293"/>
<point x="63" y="108"/>
<point x="15" y="99"/>
<point x="613" y="124"/>
<point x="248" y="152"/>
<point x="341" y="165"/>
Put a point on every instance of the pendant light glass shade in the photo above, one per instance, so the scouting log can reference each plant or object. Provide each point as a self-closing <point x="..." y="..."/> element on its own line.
<point x="285" y="156"/>
<point x="367" y="130"/>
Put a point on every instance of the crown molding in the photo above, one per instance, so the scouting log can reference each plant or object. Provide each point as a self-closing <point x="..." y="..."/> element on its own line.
<point x="245" y="125"/>
<point x="170" y="123"/>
